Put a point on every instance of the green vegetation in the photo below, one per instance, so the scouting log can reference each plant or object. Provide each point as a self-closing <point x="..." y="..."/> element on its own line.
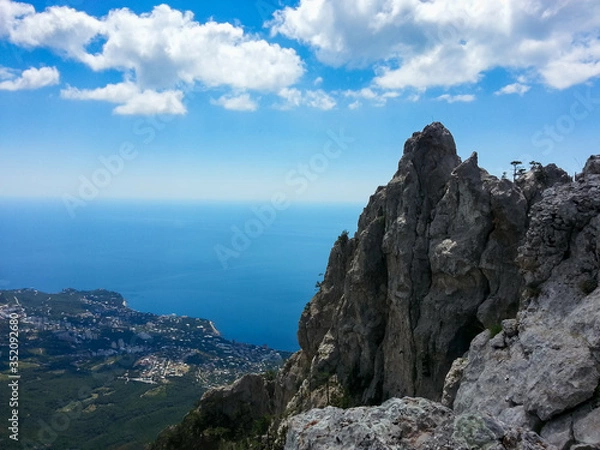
<point x="538" y="171"/>
<point x="342" y="399"/>
<point x="319" y="283"/>
<point x="307" y="308"/>
<point x="67" y="407"/>
<point x="495" y="329"/>
<point x="96" y="374"/>
<point x="343" y="237"/>
<point x="270" y="374"/>
<point x="518" y="169"/>
<point x="214" y="431"/>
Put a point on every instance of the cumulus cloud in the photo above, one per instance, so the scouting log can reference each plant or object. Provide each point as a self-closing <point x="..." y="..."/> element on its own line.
<point x="514" y="88"/>
<point x="28" y="79"/>
<point x="241" y="102"/>
<point x="159" y="51"/>
<point x="61" y="28"/>
<point x="465" y="98"/>
<point x="294" y="98"/>
<point x="375" y="96"/>
<point x="10" y="13"/>
<point x="131" y="99"/>
<point x="422" y="44"/>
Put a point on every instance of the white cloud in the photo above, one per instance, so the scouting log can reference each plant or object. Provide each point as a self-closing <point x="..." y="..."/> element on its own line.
<point x="29" y="79"/>
<point x="292" y="97"/>
<point x="241" y="102"/>
<point x="313" y="98"/>
<point x="421" y="44"/>
<point x="319" y="99"/>
<point x="366" y="93"/>
<point x="10" y="13"/>
<point x="61" y="28"/>
<point x="355" y="105"/>
<point x="514" y="88"/>
<point x="376" y="97"/>
<point x="158" y="51"/>
<point x="131" y="100"/>
<point x="466" y="98"/>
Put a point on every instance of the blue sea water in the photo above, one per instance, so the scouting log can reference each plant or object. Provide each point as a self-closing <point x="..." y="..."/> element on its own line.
<point x="161" y="256"/>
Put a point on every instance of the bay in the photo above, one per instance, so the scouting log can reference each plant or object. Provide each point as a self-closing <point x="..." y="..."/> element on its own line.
<point x="163" y="257"/>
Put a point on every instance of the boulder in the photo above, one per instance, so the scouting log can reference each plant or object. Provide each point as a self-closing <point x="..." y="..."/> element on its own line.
<point x="408" y="424"/>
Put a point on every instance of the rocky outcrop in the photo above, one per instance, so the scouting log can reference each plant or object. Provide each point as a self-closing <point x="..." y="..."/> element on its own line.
<point x="408" y="423"/>
<point x="246" y="400"/>
<point x="542" y="370"/>
<point x="540" y="178"/>
<point x="431" y="265"/>
<point x="448" y="259"/>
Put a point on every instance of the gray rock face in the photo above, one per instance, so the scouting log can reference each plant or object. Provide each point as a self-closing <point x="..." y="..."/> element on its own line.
<point x="431" y="265"/>
<point x="548" y="365"/>
<point x="408" y="424"/>
<point x="592" y="166"/>
<point x="587" y="428"/>
<point x="538" y="179"/>
<point x="250" y="397"/>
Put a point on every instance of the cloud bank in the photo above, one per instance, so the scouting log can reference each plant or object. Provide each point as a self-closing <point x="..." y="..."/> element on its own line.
<point x="408" y="47"/>
<point x="159" y="53"/>
<point x="444" y="43"/>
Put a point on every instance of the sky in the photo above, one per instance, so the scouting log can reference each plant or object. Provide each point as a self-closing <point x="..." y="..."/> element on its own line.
<point x="243" y="100"/>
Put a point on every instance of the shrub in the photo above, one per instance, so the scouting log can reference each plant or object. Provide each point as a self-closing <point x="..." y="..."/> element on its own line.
<point x="495" y="329"/>
<point x="343" y="238"/>
<point x="588" y="285"/>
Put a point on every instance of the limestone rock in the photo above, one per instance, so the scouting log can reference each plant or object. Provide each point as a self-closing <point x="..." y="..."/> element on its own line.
<point x="534" y="182"/>
<point x="452" y="381"/>
<point x="559" y="432"/>
<point x="431" y="265"/>
<point x="592" y="166"/>
<point x="587" y="429"/>
<point x="409" y="424"/>
<point x="248" y="398"/>
<point x="550" y="364"/>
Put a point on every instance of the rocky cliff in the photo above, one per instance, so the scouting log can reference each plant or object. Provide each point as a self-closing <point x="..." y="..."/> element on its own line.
<point x="432" y="265"/>
<point x="541" y="370"/>
<point x="448" y="259"/>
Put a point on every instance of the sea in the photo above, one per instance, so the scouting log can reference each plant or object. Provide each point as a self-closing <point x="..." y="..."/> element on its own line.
<point x="248" y="267"/>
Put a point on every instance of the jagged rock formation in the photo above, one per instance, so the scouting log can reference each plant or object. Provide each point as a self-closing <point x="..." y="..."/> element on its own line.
<point x="409" y="424"/>
<point x="448" y="259"/>
<point x="431" y="266"/>
<point x="543" y="369"/>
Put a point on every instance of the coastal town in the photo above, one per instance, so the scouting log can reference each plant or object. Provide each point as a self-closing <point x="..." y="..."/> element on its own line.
<point x="95" y="328"/>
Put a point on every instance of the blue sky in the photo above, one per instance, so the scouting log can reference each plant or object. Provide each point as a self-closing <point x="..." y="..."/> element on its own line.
<point x="239" y="100"/>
